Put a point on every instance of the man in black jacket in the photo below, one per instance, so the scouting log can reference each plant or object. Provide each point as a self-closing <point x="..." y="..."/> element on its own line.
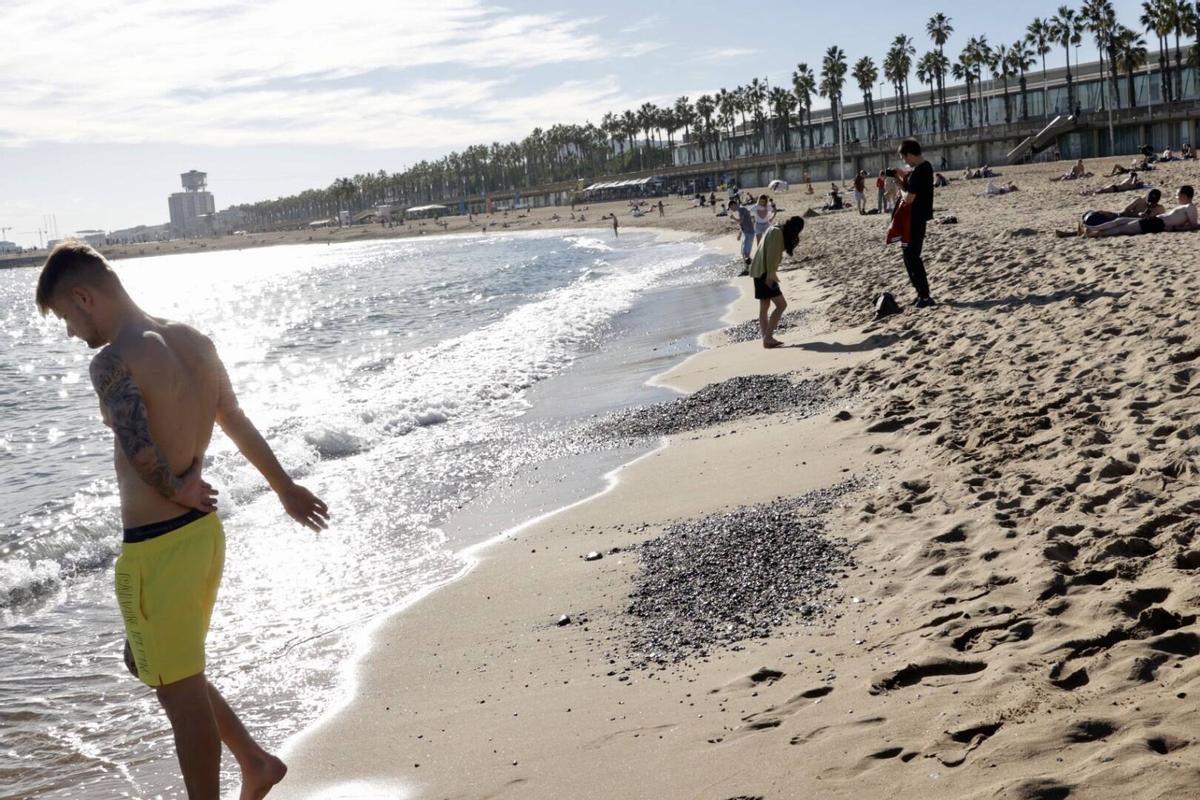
<point x="918" y="194"/>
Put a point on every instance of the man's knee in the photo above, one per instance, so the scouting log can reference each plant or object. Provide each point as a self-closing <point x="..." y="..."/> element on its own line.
<point x="185" y="698"/>
<point x="780" y="303"/>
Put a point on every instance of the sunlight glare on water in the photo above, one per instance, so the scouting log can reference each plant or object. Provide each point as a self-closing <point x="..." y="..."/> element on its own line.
<point x="390" y="377"/>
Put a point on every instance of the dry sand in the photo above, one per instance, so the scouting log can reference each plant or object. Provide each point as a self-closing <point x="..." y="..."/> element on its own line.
<point x="1019" y="622"/>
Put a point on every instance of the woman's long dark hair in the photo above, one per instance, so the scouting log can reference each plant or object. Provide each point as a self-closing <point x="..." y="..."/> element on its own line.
<point x="791" y="233"/>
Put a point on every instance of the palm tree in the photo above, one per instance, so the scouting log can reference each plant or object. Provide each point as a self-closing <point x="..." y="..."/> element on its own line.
<point x="783" y="103"/>
<point x="1002" y="62"/>
<point x="756" y="95"/>
<point x="981" y="56"/>
<point x="1155" y="19"/>
<point x="1021" y="57"/>
<point x="1131" y="56"/>
<point x="343" y="189"/>
<point x="865" y="74"/>
<point x="1066" y="29"/>
<point x="804" y="86"/>
<point x="727" y="106"/>
<point x="833" y="77"/>
<point x="904" y="51"/>
<point x="1100" y="19"/>
<point x="631" y="124"/>
<point x="1038" y="35"/>
<point x="939" y="29"/>
<point x="685" y="115"/>
<point x="706" y="106"/>
<point x="963" y="70"/>
<point x="927" y="73"/>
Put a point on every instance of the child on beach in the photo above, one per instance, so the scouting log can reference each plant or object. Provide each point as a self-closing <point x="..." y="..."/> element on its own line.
<point x="162" y="388"/>
<point x="765" y="274"/>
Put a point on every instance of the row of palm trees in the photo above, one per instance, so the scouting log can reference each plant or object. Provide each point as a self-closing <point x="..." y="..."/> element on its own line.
<point x="761" y="119"/>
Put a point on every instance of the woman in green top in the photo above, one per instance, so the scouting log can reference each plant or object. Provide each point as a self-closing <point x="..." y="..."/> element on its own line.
<point x="765" y="272"/>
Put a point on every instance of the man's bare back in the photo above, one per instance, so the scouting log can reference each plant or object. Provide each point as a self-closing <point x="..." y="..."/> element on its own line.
<point x="161" y="387"/>
<point x="178" y="375"/>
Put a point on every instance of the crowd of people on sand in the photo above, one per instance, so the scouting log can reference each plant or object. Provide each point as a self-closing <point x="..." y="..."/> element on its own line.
<point x="907" y="194"/>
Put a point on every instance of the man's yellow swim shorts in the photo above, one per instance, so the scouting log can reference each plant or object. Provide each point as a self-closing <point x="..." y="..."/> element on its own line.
<point x="166" y="578"/>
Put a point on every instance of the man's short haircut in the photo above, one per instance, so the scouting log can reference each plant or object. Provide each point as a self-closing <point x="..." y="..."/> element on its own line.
<point x="1154" y="196"/>
<point x="910" y="147"/>
<point x="1188" y="190"/>
<point x="70" y="264"/>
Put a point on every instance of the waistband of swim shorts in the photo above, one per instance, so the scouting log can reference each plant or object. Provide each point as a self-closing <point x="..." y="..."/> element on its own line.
<point x="144" y="533"/>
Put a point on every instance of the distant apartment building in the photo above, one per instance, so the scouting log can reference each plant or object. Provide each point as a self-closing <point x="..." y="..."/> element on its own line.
<point x="192" y="209"/>
<point x="7" y="248"/>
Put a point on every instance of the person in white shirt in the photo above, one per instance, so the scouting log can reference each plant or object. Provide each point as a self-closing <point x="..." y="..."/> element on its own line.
<point x="1181" y="218"/>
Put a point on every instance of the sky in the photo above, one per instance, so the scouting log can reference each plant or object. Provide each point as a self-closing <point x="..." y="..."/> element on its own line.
<point x="102" y="107"/>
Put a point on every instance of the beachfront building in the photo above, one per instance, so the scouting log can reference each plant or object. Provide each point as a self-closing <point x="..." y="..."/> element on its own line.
<point x="8" y="248"/>
<point x="191" y="209"/>
<point x="140" y="233"/>
<point x="982" y="125"/>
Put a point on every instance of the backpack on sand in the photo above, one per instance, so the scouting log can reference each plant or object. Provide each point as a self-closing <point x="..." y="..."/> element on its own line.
<point x="886" y="305"/>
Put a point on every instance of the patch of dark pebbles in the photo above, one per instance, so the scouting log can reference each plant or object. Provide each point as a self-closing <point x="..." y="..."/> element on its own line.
<point x="748" y="331"/>
<point x="728" y="401"/>
<point x="720" y="579"/>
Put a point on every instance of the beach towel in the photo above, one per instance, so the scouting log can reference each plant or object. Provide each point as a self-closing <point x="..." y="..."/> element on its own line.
<point x="901" y="228"/>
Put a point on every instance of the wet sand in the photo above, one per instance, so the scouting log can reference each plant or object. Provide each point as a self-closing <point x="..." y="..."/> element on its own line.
<point x="1010" y="476"/>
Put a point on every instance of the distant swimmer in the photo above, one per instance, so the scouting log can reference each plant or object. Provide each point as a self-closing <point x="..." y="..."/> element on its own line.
<point x="161" y="387"/>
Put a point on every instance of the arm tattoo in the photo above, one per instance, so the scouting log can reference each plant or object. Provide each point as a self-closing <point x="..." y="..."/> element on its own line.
<point x="122" y="399"/>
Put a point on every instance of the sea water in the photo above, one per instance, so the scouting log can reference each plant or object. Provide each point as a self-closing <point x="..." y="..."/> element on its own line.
<point x="401" y="380"/>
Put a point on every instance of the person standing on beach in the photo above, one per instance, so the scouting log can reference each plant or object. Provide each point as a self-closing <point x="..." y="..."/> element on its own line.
<point x="880" y="185"/>
<point x="918" y="193"/>
<point x="162" y="387"/>
<point x="745" y="221"/>
<point x="860" y="192"/>
<point x="764" y="271"/>
<point x="615" y="225"/>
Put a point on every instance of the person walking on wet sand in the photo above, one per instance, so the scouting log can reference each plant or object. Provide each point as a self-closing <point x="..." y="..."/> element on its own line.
<point x="162" y="387"/>
<point x="764" y="271"/>
<point x="615" y="233"/>
<point x="918" y="194"/>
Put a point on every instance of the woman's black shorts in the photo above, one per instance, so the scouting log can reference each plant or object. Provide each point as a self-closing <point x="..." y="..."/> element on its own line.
<point x="764" y="292"/>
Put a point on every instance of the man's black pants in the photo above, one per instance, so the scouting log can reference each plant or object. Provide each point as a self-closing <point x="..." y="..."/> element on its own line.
<point x="912" y="259"/>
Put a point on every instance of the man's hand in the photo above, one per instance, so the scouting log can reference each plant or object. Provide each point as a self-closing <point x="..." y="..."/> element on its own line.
<point x="304" y="507"/>
<point x="194" y="491"/>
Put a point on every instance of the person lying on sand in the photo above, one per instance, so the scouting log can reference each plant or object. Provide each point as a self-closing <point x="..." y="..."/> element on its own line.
<point x="1130" y="183"/>
<point x="993" y="190"/>
<point x="940" y="180"/>
<point x="764" y="271"/>
<point x="1181" y="218"/>
<point x="1075" y="173"/>
<point x="982" y="172"/>
<point x="1137" y="165"/>
<point x="1140" y="208"/>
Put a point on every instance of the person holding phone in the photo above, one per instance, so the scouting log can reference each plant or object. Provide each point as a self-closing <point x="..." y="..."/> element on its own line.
<point x="918" y="193"/>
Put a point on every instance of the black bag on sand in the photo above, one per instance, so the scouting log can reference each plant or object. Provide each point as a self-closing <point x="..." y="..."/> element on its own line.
<point x="886" y="305"/>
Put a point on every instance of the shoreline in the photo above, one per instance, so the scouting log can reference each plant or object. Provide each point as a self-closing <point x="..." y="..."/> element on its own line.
<point x="1017" y="621"/>
<point x="472" y="555"/>
<point x="684" y="377"/>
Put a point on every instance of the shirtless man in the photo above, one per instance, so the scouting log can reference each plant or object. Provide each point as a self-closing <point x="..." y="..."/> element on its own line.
<point x="161" y="387"/>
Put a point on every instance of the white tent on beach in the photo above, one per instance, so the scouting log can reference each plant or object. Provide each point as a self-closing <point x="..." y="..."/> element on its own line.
<point x="778" y="185"/>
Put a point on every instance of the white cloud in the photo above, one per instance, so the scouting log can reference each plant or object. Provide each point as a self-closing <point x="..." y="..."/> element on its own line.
<point x="727" y="54"/>
<point x="392" y="74"/>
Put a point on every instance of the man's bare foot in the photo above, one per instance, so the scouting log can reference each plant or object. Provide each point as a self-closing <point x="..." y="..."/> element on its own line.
<point x="771" y="344"/>
<point x="261" y="776"/>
